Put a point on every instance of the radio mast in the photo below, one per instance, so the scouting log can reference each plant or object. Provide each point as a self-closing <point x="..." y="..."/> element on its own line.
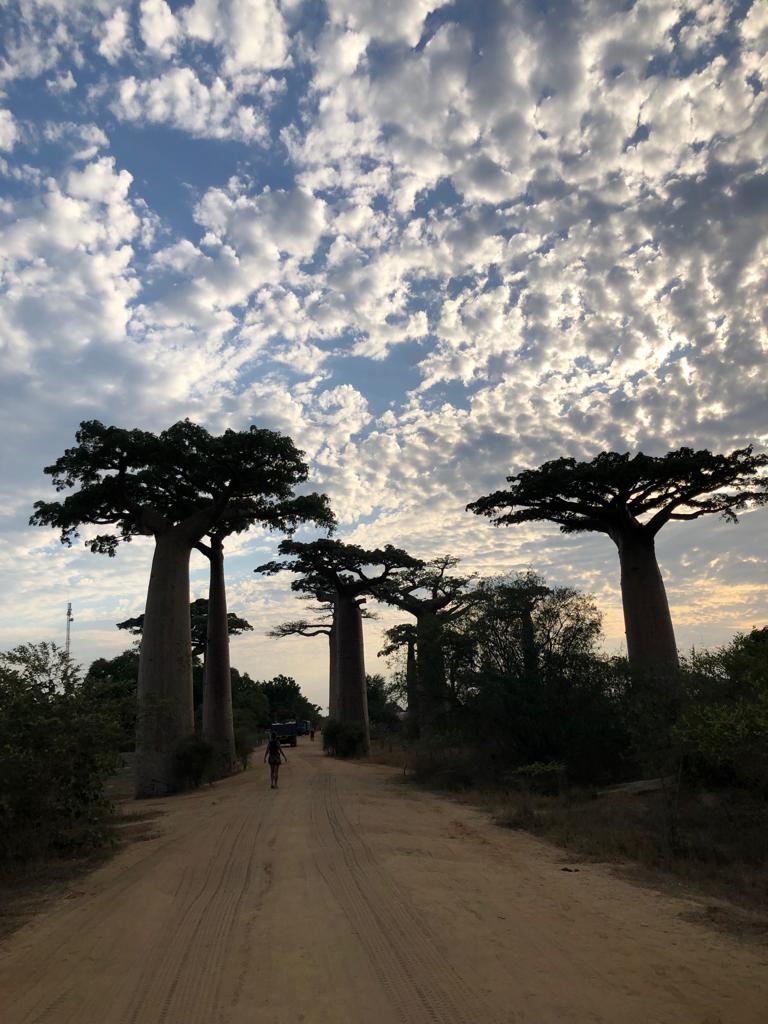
<point x="69" y="623"/>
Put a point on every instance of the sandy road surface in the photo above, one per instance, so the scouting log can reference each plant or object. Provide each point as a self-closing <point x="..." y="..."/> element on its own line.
<point x="344" y="898"/>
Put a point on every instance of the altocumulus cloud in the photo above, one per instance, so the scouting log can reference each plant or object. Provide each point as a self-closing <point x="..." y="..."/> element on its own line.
<point x="434" y="243"/>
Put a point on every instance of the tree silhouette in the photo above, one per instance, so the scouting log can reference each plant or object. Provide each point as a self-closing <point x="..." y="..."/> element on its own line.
<point x="630" y="500"/>
<point x="350" y="572"/>
<point x="434" y="598"/>
<point x="403" y="635"/>
<point x="177" y="486"/>
<point x="198" y="616"/>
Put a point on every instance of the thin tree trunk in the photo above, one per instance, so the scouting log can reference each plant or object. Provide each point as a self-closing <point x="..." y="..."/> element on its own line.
<point x="430" y="670"/>
<point x="530" y="653"/>
<point x="352" y="697"/>
<point x="165" y="712"/>
<point x="651" y="645"/>
<point x="218" y="728"/>
<point x="333" y="667"/>
<point x="411" y="688"/>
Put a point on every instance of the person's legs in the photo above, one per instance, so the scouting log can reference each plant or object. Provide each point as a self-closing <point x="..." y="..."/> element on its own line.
<point x="272" y="775"/>
<point x="277" y="769"/>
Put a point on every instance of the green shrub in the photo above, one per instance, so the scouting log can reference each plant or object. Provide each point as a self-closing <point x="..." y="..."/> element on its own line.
<point x="244" y="744"/>
<point x="343" y="739"/>
<point x="56" y="749"/>
<point x="193" y="757"/>
<point x="723" y="728"/>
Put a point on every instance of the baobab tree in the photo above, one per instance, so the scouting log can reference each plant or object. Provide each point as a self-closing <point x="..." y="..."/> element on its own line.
<point x="434" y="598"/>
<point x="309" y="628"/>
<point x="322" y="626"/>
<point x="218" y="726"/>
<point x="176" y="486"/>
<point x="630" y="500"/>
<point x="350" y="572"/>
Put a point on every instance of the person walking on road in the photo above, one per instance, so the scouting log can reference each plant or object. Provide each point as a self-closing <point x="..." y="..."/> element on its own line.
<point x="274" y="753"/>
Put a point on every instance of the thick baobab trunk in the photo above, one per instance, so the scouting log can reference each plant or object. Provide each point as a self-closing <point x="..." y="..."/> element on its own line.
<point x="165" y="712"/>
<point x="218" y="728"/>
<point x="651" y="643"/>
<point x="352" y="697"/>
<point x="333" y="667"/>
<point x="430" y="670"/>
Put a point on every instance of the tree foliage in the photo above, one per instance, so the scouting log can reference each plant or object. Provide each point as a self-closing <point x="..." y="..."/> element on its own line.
<point x="198" y="614"/>
<point x="614" y="490"/>
<point x="139" y="482"/>
<point x="286" y="701"/>
<point x="328" y="562"/>
<point x="56" y="748"/>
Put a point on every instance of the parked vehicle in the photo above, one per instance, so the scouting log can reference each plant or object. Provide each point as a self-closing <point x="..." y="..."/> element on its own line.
<point x="286" y="732"/>
<point x="304" y="727"/>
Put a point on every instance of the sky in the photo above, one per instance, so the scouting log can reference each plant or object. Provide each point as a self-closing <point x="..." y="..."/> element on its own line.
<point x="435" y="244"/>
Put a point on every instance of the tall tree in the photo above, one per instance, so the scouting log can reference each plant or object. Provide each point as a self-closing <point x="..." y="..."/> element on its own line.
<point x="322" y="626"/>
<point x="176" y="487"/>
<point x="351" y="572"/>
<point x="403" y="635"/>
<point x="630" y="499"/>
<point x="434" y="597"/>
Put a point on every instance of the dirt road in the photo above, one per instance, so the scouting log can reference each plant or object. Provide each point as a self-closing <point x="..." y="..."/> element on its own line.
<point x="346" y="898"/>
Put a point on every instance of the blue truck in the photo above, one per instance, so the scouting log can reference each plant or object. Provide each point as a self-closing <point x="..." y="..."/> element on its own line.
<point x="286" y="732"/>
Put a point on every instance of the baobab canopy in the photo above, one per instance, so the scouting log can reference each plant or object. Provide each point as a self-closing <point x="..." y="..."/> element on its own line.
<point x="599" y="495"/>
<point x="630" y="499"/>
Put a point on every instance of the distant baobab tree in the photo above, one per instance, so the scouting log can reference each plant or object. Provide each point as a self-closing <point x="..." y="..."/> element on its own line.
<point x="324" y="626"/>
<point x="350" y="572"/>
<point x="630" y="499"/>
<point x="176" y="486"/>
<point x="434" y="597"/>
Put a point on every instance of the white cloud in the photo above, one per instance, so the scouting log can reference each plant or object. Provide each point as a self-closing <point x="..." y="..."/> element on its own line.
<point x="250" y="33"/>
<point x="396" y="21"/>
<point x="63" y="83"/>
<point x="158" y="26"/>
<point x="115" y="35"/>
<point x="180" y="100"/>
<point x="9" y="133"/>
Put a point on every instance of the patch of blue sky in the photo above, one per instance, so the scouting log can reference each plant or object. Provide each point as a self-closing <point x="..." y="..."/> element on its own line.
<point x="384" y="382"/>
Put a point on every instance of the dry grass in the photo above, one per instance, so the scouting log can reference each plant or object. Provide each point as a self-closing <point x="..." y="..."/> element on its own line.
<point x="715" y="843"/>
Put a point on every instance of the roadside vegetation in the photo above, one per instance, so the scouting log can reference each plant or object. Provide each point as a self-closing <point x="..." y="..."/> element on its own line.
<point x="560" y="754"/>
<point x="65" y="733"/>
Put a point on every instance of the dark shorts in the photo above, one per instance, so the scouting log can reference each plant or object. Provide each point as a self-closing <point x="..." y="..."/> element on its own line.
<point x="274" y="761"/>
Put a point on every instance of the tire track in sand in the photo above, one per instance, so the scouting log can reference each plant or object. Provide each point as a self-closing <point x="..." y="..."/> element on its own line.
<point x="423" y="987"/>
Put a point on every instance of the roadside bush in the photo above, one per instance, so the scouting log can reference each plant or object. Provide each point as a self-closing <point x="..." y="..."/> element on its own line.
<point x="343" y="739"/>
<point x="193" y="758"/>
<point x="244" y="744"/>
<point x="56" y="749"/>
<point x="723" y="728"/>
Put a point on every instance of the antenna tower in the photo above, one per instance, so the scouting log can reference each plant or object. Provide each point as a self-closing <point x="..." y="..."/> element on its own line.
<point x="69" y="623"/>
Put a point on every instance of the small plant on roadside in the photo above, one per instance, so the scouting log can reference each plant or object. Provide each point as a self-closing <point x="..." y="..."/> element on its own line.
<point x="193" y="757"/>
<point x="244" y="744"/>
<point x="344" y="739"/>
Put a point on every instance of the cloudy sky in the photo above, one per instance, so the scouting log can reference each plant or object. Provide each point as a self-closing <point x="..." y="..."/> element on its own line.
<point x="434" y="243"/>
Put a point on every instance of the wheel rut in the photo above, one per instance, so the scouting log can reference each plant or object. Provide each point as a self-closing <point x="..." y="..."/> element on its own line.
<point x="419" y="980"/>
